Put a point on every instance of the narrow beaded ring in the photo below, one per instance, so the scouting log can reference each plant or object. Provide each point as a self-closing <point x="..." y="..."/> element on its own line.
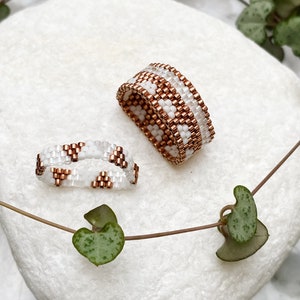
<point x="167" y="108"/>
<point x="51" y="165"/>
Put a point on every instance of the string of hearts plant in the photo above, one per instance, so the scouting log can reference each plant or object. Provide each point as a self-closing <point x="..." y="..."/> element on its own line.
<point x="244" y="234"/>
<point x="4" y="10"/>
<point x="272" y="24"/>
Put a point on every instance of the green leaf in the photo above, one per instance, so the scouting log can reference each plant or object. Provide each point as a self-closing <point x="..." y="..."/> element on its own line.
<point x="273" y="49"/>
<point x="234" y="251"/>
<point x="100" y="247"/>
<point x="241" y="221"/>
<point x="4" y="11"/>
<point x="284" y="8"/>
<point x="288" y="33"/>
<point x="101" y="215"/>
<point x="252" y="20"/>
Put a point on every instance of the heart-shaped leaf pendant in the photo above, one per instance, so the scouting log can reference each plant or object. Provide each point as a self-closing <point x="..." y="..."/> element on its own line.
<point x="100" y="247"/>
<point x="241" y="222"/>
<point x="234" y="251"/>
<point x="101" y="215"/>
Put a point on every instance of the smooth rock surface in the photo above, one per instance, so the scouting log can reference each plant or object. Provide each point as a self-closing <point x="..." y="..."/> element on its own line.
<point x="59" y="76"/>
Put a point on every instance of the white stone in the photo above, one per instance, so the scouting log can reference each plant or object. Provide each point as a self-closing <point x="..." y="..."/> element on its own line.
<point x="75" y="66"/>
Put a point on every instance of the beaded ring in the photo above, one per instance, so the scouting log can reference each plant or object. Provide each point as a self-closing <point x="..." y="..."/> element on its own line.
<point x="167" y="108"/>
<point x="51" y="165"/>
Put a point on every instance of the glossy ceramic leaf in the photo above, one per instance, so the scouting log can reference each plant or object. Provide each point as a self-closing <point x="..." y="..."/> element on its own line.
<point x="101" y="215"/>
<point x="241" y="222"/>
<point x="100" y="247"/>
<point x="233" y="251"/>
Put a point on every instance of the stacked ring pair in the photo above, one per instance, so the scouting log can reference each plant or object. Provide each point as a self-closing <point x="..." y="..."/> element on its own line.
<point x="164" y="105"/>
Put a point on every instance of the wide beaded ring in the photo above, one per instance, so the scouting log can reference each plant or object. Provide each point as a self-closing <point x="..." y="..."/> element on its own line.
<point x="52" y="165"/>
<point x="167" y="108"/>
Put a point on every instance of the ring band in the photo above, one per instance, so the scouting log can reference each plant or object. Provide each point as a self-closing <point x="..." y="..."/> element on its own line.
<point x="52" y="162"/>
<point x="167" y="108"/>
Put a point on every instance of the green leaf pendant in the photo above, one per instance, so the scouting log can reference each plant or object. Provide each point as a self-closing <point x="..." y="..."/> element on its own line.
<point x="101" y="215"/>
<point x="244" y="233"/>
<point x="241" y="221"/>
<point x="100" y="247"/>
<point x="234" y="251"/>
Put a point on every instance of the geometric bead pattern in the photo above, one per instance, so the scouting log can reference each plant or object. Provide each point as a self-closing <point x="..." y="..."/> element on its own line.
<point x="149" y="86"/>
<point x="102" y="181"/>
<point x="168" y="109"/>
<point x="73" y="150"/>
<point x="39" y="170"/>
<point x="136" y="174"/>
<point x="156" y="132"/>
<point x="59" y="175"/>
<point x="118" y="157"/>
<point x="51" y="165"/>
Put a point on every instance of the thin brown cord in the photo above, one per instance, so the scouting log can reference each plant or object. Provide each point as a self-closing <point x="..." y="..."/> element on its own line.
<point x="36" y="218"/>
<point x="157" y="234"/>
<point x="284" y="159"/>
